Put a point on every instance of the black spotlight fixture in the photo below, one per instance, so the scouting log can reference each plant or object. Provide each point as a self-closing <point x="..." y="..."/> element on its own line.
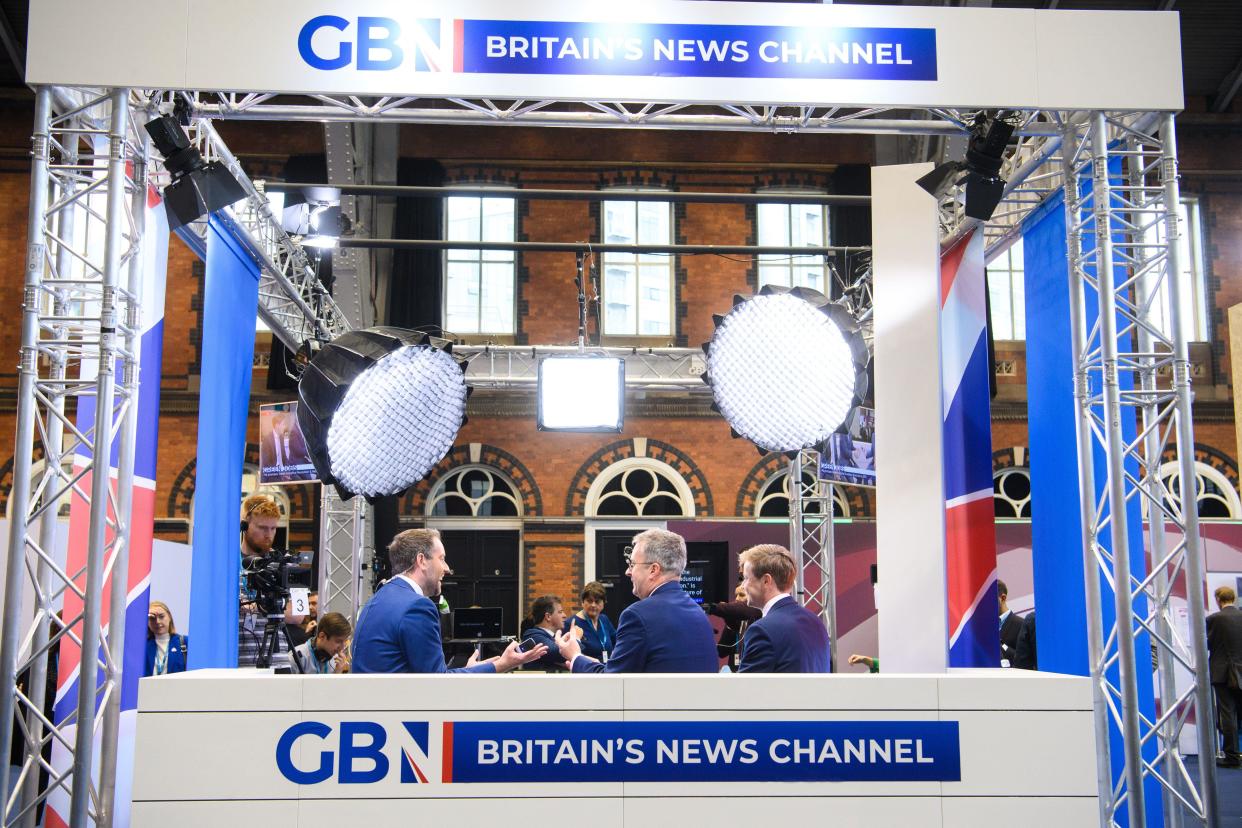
<point x="198" y="187"/>
<point x="379" y="408"/>
<point x="989" y="135"/>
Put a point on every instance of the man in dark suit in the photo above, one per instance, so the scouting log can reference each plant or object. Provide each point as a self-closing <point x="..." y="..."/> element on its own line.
<point x="1010" y="626"/>
<point x="399" y="628"/>
<point x="664" y="631"/>
<point x="789" y="638"/>
<point x="1224" y="641"/>
<point x="281" y="445"/>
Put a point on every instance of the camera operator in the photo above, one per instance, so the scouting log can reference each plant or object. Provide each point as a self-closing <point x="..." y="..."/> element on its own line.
<point x="323" y="653"/>
<point x="260" y="519"/>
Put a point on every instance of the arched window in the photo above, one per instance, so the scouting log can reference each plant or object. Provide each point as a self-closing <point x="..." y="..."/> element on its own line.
<point x="1011" y="492"/>
<point x="639" y="487"/>
<point x="773" y="499"/>
<point x="1214" y="494"/>
<point x="474" y="490"/>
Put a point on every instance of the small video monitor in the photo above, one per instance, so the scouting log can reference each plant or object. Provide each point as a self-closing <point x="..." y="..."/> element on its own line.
<point x="283" y="457"/>
<point x="478" y="622"/>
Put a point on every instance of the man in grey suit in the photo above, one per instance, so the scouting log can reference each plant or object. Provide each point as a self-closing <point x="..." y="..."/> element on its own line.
<point x="1224" y="641"/>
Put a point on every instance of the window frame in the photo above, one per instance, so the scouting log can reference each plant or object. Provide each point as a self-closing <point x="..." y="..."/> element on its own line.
<point x="476" y="257"/>
<point x="638" y="337"/>
<point x="788" y="263"/>
<point x="1008" y="272"/>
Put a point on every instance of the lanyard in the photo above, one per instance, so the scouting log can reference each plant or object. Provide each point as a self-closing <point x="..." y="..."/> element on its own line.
<point x="602" y="633"/>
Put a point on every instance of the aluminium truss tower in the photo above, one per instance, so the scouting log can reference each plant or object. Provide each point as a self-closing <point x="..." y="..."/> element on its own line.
<point x="1130" y="368"/>
<point x="812" y="541"/>
<point x="342" y="548"/>
<point x="79" y="319"/>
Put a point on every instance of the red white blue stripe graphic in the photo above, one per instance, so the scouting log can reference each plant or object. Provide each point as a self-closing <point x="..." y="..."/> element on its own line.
<point x="970" y="539"/>
<point x="141" y="530"/>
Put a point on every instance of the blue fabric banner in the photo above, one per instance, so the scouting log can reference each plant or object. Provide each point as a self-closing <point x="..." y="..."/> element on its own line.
<point x="1056" y="525"/>
<point x="230" y="301"/>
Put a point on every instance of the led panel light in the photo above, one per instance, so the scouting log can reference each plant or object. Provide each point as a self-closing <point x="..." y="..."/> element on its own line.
<point x="380" y="408"/>
<point x="783" y="372"/>
<point x="581" y="393"/>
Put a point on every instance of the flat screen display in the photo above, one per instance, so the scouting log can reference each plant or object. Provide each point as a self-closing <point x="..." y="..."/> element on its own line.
<point x="283" y="457"/>
<point x="844" y="459"/>
<point x="478" y="622"/>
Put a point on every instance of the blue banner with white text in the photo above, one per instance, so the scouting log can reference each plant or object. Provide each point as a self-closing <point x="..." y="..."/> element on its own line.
<point x="712" y="751"/>
<point x="524" y="47"/>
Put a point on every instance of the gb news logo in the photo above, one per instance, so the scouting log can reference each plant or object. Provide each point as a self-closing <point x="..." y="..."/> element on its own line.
<point x="366" y="752"/>
<point x="374" y="44"/>
<point x="356" y="753"/>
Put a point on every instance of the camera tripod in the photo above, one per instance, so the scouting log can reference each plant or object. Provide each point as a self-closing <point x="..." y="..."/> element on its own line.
<point x="275" y="626"/>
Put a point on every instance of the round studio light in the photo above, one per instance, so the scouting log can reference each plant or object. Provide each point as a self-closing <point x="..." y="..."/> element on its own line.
<point x="379" y="408"/>
<point x="786" y="367"/>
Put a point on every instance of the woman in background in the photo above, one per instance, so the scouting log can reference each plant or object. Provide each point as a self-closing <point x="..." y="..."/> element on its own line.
<point x="597" y="635"/>
<point x="166" y="651"/>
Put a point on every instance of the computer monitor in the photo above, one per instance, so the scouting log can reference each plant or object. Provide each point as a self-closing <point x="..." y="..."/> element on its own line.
<point x="478" y="622"/>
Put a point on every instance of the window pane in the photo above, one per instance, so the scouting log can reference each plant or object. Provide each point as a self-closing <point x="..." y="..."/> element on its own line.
<point x="619" y="222"/>
<point x="654" y="222"/>
<point x="1002" y="321"/>
<point x="619" y="309"/>
<point x="1019" y="305"/>
<point x="463" y="218"/>
<point x="655" y="302"/>
<point x="809" y="228"/>
<point x="773" y="224"/>
<point x="498" y="226"/>
<point x="631" y="308"/>
<point x="773" y="275"/>
<point x="496" y="298"/>
<point x="811" y="276"/>
<point x="461" y="297"/>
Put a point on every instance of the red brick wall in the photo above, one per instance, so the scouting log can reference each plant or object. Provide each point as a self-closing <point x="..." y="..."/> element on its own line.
<point x="580" y="159"/>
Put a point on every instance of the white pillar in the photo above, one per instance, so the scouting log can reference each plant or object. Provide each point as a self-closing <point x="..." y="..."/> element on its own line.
<point x="909" y="458"/>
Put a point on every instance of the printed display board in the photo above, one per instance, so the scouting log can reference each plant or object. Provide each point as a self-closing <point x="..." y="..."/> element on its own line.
<point x="806" y="54"/>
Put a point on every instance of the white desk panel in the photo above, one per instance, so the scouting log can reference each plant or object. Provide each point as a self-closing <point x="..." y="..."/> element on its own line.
<point x="219" y="747"/>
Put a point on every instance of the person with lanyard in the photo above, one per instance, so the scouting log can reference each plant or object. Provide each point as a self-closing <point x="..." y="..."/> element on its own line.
<point x="596" y="634"/>
<point x="322" y="654"/>
<point x="166" y="650"/>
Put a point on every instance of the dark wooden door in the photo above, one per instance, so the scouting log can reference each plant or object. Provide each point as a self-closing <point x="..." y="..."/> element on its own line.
<point x="485" y="571"/>
<point x="610" y="569"/>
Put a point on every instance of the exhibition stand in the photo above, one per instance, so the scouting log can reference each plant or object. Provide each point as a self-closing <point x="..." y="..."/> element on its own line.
<point x="219" y="747"/>
<point x="1084" y="92"/>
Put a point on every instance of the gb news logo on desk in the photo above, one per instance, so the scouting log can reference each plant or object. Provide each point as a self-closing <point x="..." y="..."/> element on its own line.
<point x="362" y="752"/>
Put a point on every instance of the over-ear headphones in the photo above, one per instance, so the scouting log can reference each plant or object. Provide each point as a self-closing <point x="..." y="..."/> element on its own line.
<point x="260" y="500"/>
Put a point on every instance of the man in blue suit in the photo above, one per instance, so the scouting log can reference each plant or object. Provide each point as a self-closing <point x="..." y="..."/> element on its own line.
<point x="664" y="631"/>
<point x="788" y="638"/>
<point x="399" y="628"/>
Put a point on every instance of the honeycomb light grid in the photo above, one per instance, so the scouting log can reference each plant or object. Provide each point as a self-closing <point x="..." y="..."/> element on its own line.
<point x="396" y="421"/>
<point x="781" y="372"/>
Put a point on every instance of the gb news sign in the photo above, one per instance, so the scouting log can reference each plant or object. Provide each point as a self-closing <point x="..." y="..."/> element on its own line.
<point x="673" y="50"/>
<point x="550" y="752"/>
